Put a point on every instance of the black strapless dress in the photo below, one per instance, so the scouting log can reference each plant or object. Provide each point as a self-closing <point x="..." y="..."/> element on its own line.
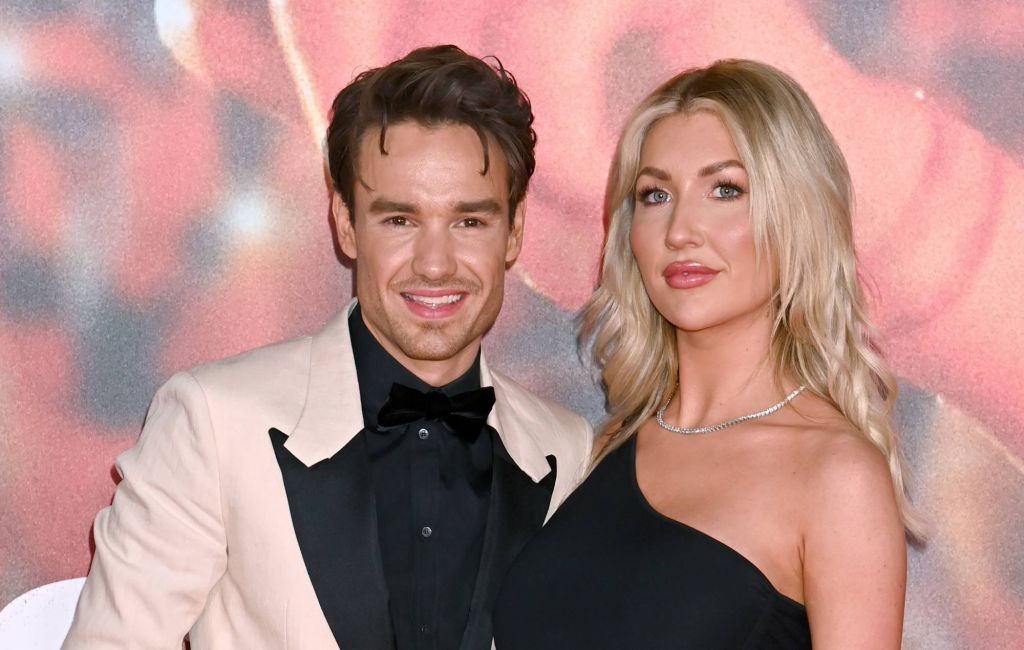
<point x="610" y="572"/>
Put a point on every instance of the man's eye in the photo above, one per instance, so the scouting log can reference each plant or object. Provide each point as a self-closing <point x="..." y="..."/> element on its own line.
<point x="653" y="196"/>
<point x="397" y="221"/>
<point x="727" y="191"/>
<point x="471" y="222"/>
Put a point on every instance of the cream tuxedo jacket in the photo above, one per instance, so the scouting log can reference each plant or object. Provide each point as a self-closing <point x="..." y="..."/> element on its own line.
<point x="200" y="538"/>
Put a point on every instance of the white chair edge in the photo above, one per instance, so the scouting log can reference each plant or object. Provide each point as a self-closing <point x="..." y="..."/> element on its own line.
<point x="40" y="619"/>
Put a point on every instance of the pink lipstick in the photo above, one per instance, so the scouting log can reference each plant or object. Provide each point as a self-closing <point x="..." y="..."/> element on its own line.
<point x="687" y="275"/>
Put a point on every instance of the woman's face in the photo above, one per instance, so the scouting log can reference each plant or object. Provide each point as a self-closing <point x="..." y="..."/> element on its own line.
<point x="691" y="233"/>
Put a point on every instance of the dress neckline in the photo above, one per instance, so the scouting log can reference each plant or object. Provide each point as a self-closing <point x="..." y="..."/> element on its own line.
<point x="639" y="494"/>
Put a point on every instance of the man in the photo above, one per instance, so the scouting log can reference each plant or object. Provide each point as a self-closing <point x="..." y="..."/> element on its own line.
<point x="356" y="488"/>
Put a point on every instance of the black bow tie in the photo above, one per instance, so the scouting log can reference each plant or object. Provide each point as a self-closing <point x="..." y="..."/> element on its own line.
<point x="465" y="412"/>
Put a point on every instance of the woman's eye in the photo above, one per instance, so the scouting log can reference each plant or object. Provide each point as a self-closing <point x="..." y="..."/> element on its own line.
<point x="654" y="196"/>
<point x="727" y="191"/>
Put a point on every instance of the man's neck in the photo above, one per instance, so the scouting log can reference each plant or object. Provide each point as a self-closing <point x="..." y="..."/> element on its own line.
<point x="433" y="372"/>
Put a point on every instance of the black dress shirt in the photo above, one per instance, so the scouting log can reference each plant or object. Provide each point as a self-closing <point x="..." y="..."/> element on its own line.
<point x="432" y="491"/>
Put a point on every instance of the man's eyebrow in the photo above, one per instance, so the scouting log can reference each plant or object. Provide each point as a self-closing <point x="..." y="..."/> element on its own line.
<point x="660" y="174"/>
<point x="714" y="168"/>
<point x="483" y="206"/>
<point x="381" y="204"/>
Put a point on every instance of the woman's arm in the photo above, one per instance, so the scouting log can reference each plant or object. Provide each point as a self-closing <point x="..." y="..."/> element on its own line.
<point x="854" y="550"/>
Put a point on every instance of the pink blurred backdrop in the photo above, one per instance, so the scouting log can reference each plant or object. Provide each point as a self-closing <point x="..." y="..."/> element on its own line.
<point x="162" y="203"/>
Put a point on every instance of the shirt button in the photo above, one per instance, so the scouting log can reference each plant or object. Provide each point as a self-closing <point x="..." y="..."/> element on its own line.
<point x="424" y="434"/>
<point x="424" y="629"/>
<point x="426" y="531"/>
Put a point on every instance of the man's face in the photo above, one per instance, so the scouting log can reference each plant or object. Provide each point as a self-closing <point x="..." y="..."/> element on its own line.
<point x="431" y="240"/>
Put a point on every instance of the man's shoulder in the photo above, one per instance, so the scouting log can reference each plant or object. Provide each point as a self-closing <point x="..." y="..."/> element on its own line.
<point x="269" y="364"/>
<point x="265" y="384"/>
<point x="553" y="429"/>
<point x="527" y="400"/>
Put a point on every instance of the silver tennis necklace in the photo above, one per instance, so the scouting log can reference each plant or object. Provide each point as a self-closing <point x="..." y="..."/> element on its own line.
<point x="689" y="431"/>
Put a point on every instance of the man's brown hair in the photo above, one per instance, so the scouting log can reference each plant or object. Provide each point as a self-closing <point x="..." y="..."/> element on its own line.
<point x="434" y="86"/>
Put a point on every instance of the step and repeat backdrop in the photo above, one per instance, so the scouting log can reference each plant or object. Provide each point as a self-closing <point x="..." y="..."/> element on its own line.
<point x="163" y="202"/>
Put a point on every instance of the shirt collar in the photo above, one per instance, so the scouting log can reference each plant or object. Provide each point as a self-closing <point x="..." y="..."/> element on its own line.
<point x="376" y="370"/>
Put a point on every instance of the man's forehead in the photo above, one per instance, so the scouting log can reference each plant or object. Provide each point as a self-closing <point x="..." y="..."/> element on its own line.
<point x="429" y="154"/>
<point x="399" y="135"/>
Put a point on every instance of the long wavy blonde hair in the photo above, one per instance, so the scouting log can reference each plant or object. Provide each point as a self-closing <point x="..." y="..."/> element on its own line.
<point x="800" y="203"/>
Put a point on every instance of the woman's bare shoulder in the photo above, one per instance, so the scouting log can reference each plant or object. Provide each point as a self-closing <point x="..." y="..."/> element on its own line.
<point x="837" y="465"/>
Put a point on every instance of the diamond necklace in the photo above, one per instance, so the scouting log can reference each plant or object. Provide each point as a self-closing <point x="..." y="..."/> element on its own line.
<point x="728" y="423"/>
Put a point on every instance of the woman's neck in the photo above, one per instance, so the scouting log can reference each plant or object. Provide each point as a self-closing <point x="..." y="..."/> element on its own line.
<point x="724" y="371"/>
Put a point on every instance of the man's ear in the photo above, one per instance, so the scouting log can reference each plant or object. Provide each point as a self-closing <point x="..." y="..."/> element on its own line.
<point x="515" y="235"/>
<point x="343" y="226"/>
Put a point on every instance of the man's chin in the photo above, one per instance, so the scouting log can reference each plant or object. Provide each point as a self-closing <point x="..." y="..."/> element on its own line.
<point x="433" y="348"/>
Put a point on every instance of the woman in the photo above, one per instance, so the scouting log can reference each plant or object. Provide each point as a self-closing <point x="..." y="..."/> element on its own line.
<point x="747" y="490"/>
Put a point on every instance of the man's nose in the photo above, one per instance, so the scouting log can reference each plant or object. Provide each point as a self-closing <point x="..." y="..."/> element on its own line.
<point x="434" y="253"/>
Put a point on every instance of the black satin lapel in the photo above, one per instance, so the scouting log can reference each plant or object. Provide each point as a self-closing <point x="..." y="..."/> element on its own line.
<point x="335" y="520"/>
<point x="517" y="510"/>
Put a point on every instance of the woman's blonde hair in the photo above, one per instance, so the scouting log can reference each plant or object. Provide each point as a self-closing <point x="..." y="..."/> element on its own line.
<point x="800" y="204"/>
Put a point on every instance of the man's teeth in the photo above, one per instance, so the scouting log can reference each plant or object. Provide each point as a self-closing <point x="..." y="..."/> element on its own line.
<point x="435" y="301"/>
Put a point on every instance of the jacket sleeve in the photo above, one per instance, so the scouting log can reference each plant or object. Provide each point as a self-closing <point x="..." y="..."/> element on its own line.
<point x="160" y="547"/>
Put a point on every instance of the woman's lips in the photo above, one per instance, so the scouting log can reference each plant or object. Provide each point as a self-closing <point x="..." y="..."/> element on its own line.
<point x="687" y="275"/>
